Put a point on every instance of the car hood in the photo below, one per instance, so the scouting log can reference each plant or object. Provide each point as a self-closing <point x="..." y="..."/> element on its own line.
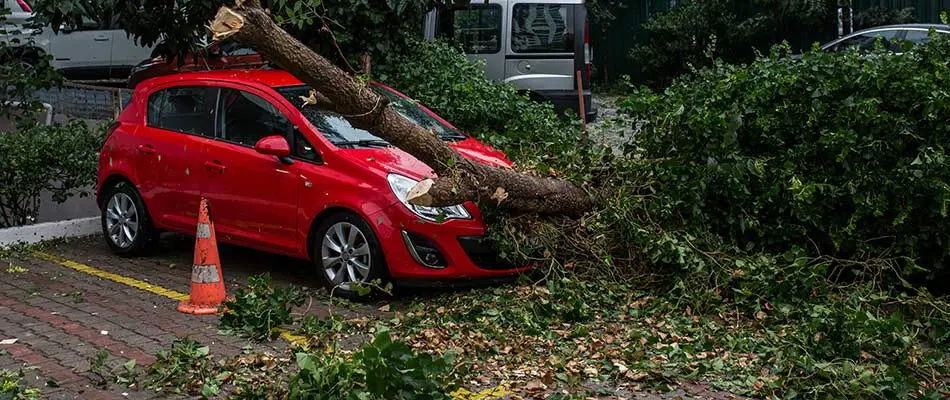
<point x="391" y="159"/>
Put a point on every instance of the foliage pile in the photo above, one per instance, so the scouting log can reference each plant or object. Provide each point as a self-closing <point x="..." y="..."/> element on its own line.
<point x="788" y="154"/>
<point x="12" y="388"/>
<point x="381" y="369"/>
<point x="805" y="204"/>
<point x="186" y="368"/>
<point x="258" y="310"/>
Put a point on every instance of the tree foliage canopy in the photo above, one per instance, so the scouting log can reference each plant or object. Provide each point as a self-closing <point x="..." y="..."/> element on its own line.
<point x="177" y="27"/>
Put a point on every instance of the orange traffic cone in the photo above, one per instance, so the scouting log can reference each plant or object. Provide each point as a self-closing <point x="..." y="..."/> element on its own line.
<point x="207" y="283"/>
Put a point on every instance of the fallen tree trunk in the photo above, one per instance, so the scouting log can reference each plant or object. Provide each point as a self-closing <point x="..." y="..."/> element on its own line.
<point x="458" y="179"/>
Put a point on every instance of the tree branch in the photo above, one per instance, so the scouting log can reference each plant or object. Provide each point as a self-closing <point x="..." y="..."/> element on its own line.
<point x="459" y="179"/>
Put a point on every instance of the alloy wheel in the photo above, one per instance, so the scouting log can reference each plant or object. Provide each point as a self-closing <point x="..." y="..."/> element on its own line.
<point x="122" y="220"/>
<point x="345" y="255"/>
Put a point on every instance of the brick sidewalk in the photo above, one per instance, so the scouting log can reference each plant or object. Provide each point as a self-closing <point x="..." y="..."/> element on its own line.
<point x="62" y="317"/>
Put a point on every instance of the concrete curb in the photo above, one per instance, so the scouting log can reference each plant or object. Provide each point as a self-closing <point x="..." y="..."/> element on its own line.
<point x="50" y="230"/>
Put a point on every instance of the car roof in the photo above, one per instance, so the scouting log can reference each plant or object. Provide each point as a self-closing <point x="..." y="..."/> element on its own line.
<point x="266" y="77"/>
<point x="903" y="26"/>
<point x="939" y="27"/>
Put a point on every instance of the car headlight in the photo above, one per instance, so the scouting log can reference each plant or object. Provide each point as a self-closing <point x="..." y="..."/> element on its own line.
<point x="401" y="186"/>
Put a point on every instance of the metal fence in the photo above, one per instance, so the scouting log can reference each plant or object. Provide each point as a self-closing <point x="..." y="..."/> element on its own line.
<point x="88" y="102"/>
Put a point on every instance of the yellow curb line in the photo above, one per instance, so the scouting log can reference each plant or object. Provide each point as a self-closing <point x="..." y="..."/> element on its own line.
<point x="141" y="285"/>
<point x="460" y="394"/>
<point x="490" y="393"/>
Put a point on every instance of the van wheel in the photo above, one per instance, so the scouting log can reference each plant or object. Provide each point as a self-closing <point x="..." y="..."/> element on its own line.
<point x="126" y="224"/>
<point x="346" y="254"/>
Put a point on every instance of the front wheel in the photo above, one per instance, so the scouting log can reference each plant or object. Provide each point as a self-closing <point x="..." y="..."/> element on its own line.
<point x="347" y="254"/>
<point x="125" y="221"/>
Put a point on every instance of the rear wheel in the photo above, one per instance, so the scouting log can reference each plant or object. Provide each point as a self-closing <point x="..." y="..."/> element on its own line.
<point x="347" y="254"/>
<point x="126" y="224"/>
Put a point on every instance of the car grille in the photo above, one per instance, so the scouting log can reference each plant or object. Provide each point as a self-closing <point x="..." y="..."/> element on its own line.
<point x="482" y="253"/>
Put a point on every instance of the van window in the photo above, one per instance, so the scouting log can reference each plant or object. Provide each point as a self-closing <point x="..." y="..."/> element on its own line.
<point x="477" y="28"/>
<point x="542" y="28"/>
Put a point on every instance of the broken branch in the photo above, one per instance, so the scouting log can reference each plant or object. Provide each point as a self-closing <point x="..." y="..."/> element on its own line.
<point x="458" y="179"/>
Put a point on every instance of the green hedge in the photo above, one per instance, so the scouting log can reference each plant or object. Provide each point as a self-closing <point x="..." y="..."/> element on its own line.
<point x="842" y="154"/>
<point x="61" y="159"/>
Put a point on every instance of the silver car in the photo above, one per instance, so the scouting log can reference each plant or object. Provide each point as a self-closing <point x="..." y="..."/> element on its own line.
<point x="892" y="35"/>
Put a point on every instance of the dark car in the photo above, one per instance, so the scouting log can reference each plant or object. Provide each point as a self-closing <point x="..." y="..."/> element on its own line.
<point x="892" y="35"/>
<point x="214" y="56"/>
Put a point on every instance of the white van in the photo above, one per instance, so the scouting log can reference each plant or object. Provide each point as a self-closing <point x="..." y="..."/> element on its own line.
<point x="94" y="50"/>
<point x="536" y="45"/>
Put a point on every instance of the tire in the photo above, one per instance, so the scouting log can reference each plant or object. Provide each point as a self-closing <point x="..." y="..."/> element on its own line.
<point x="337" y="269"/>
<point x="126" y="224"/>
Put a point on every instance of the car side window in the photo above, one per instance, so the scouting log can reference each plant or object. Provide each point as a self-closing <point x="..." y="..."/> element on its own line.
<point x="245" y="118"/>
<point x="303" y="149"/>
<point x="88" y="24"/>
<point x="476" y="27"/>
<point x="917" y="36"/>
<point x="867" y="41"/>
<point x="180" y="109"/>
<point x="542" y="28"/>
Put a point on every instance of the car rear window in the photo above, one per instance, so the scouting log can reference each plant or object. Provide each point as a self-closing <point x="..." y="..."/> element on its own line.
<point x="542" y="28"/>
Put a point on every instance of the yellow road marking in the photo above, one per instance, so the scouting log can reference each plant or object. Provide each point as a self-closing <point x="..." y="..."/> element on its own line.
<point x="461" y="394"/>
<point x="141" y="285"/>
<point x="490" y="393"/>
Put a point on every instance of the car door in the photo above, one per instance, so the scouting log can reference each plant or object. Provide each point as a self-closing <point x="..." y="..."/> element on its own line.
<point x="82" y="51"/>
<point x="253" y="196"/>
<point x="172" y="144"/>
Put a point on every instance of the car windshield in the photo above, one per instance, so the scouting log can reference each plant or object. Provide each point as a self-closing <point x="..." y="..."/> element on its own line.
<point x="339" y="131"/>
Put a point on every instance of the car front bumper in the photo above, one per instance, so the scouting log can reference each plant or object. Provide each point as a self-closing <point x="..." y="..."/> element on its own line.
<point x="463" y="252"/>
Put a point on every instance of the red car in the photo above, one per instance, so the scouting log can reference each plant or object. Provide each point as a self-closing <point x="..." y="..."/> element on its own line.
<point x="286" y="178"/>
<point x="217" y="55"/>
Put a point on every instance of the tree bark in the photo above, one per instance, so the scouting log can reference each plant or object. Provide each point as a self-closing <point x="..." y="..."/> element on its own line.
<point x="458" y="179"/>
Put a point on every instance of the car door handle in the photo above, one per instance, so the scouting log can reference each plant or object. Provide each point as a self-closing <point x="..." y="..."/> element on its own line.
<point x="101" y="38"/>
<point x="146" y="149"/>
<point x="215" y="166"/>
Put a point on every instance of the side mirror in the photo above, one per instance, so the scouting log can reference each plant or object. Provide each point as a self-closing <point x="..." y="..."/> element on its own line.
<point x="274" y="145"/>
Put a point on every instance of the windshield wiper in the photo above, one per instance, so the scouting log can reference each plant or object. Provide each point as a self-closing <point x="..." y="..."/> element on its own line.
<point x="453" y="136"/>
<point x="363" y="143"/>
